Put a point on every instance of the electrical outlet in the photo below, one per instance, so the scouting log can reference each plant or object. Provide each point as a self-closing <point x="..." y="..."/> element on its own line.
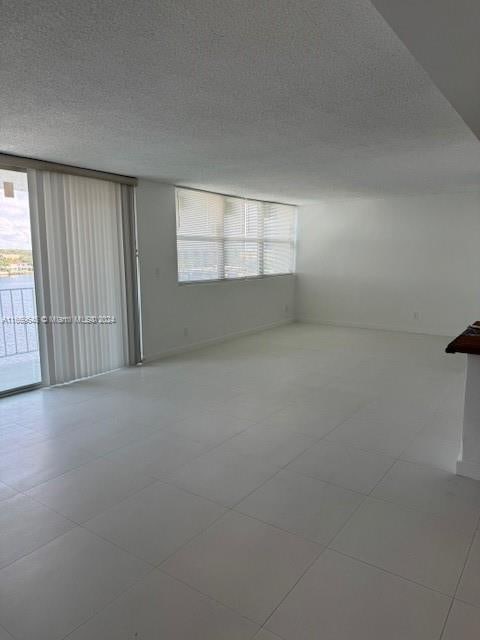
<point x="8" y="190"/>
<point x="416" y="315"/>
<point x="185" y="332"/>
<point x="157" y="272"/>
<point x="286" y="308"/>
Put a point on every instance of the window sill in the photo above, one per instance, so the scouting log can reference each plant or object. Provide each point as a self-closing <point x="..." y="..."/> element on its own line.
<point x="230" y="280"/>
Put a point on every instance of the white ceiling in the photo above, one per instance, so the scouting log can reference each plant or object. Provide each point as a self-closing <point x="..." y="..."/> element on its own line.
<point x="291" y="100"/>
<point x="444" y="36"/>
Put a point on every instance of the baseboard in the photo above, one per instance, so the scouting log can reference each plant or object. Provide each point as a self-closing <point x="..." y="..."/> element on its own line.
<point x="375" y="327"/>
<point x="200" y="344"/>
<point x="468" y="469"/>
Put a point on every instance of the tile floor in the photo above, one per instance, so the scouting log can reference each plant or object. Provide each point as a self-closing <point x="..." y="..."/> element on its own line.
<point x="291" y="484"/>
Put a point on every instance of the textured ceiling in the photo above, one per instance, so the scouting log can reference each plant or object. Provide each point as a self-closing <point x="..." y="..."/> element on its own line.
<point x="292" y="100"/>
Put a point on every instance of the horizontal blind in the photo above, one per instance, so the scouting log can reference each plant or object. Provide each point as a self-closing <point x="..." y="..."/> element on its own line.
<point x="199" y="235"/>
<point x="241" y="242"/>
<point x="225" y="237"/>
<point x="279" y="235"/>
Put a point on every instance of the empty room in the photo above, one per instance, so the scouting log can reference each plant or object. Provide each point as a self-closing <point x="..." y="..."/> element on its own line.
<point x="240" y="320"/>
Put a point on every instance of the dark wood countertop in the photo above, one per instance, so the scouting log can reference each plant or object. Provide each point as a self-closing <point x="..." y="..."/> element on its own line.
<point x="467" y="342"/>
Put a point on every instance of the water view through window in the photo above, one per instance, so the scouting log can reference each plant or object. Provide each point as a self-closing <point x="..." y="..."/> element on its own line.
<point x="19" y="354"/>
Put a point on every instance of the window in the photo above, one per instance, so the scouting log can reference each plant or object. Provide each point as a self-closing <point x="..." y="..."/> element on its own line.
<point x="225" y="238"/>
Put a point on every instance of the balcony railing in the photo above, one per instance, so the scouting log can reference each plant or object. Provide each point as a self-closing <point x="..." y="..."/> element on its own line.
<point x="18" y="330"/>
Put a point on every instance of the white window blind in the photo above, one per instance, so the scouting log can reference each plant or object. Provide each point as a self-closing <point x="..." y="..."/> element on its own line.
<point x="84" y="246"/>
<point x="223" y="237"/>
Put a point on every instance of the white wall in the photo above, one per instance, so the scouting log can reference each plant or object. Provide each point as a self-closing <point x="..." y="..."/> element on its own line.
<point x="376" y="262"/>
<point x="209" y="311"/>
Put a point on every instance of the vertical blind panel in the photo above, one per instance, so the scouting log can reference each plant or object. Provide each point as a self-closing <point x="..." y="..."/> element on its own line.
<point x="224" y="237"/>
<point x="82" y="274"/>
<point x="93" y="229"/>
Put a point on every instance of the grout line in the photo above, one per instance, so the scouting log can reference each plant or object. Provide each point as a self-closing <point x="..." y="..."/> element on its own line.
<point x="467" y="557"/>
<point x="79" y="524"/>
<point x="209" y="597"/>
<point x="184" y="544"/>
<point x="444" y="626"/>
<point x="394" y="462"/>
<point x="470" y="604"/>
<point x="310" y="565"/>
<point x="415" y="508"/>
<point x="347" y="522"/>
<point x="129" y="588"/>
<point x="390" y="573"/>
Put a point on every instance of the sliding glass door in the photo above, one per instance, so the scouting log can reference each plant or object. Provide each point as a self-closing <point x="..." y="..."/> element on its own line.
<point x="19" y="350"/>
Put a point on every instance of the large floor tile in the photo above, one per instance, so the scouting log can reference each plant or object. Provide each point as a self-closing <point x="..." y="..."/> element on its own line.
<point x="345" y="466"/>
<point x="83" y="493"/>
<point x="250" y="407"/>
<point x="463" y="623"/>
<point x="427" y="549"/>
<point x="432" y="490"/>
<point x="161" y="607"/>
<point x="433" y="450"/>
<point x="342" y="599"/>
<point x="15" y="436"/>
<point x="55" y="420"/>
<point x="105" y="436"/>
<point x="6" y="492"/>
<point x="469" y="587"/>
<point x="264" y="634"/>
<point x="224" y="475"/>
<point x="48" y="593"/>
<point x="406" y="401"/>
<point x="387" y="437"/>
<point x="156" y="521"/>
<point x="142" y="404"/>
<point x="26" y="525"/>
<point x="26" y="467"/>
<point x="4" y="635"/>
<point x="169" y="410"/>
<point x="35" y="402"/>
<point x="158" y="456"/>
<point x="244" y="564"/>
<point x="273" y="445"/>
<point x="209" y="427"/>
<point x="302" y="505"/>
<point x="313" y="418"/>
<point x="334" y="399"/>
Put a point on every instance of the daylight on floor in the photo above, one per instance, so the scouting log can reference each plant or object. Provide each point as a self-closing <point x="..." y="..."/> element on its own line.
<point x="240" y="320"/>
